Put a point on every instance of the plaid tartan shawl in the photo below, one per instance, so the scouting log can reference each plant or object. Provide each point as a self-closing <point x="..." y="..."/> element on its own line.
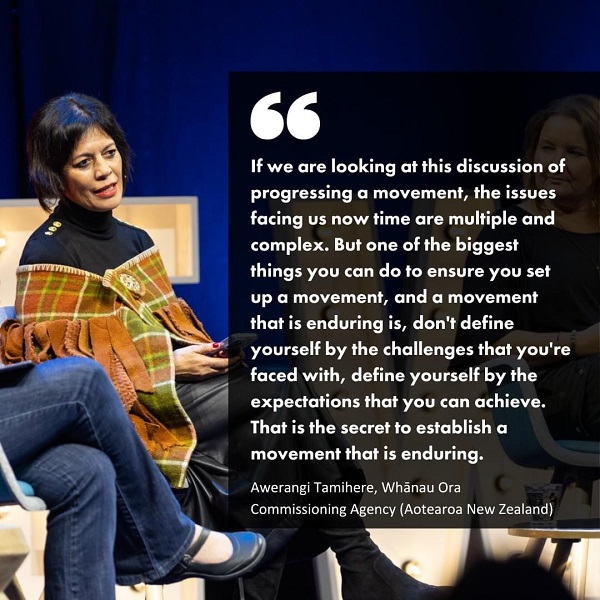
<point x="126" y="320"/>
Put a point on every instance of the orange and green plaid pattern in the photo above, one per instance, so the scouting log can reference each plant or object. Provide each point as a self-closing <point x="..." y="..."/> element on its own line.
<point x="129" y="313"/>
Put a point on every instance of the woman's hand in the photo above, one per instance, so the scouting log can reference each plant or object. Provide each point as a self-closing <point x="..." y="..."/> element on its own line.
<point x="194" y="363"/>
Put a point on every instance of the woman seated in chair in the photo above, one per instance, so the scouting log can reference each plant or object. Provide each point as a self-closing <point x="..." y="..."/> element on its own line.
<point x="92" y="285"/>
<point x="560" y="262"/>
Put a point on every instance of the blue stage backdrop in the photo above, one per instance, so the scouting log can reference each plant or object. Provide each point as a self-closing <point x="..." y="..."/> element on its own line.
<point x="163" y="68"/>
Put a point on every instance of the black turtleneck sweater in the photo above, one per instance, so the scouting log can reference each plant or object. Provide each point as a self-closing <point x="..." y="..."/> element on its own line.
<point x="92" y="241"/>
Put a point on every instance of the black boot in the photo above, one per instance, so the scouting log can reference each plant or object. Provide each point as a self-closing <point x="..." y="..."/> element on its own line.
<point x="264" y="583"/>
<point x="260" y="585"/>
<point x="368" y="574"/>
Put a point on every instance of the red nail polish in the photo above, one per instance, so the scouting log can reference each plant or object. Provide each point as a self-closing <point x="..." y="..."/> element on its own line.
<point x="216" y="344"/>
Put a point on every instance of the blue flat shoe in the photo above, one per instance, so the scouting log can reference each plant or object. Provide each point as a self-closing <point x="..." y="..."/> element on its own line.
<point x="248" y="550"/>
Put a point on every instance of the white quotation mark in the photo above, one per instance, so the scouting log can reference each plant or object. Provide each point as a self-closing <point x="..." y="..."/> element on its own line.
<point x="302" y="123"/>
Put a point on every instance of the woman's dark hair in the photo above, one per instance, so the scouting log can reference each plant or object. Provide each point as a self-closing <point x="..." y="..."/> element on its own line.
<point x="54" y="131"/>
<point x="586" y="111"/>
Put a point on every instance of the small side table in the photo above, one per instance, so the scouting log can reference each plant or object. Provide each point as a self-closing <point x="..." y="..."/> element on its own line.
<point x="564" y="533"/>
<point x="13" y="550"/>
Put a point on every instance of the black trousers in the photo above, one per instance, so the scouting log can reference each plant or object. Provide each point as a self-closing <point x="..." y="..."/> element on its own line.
<point x="571" y="393"/>
<point x="222" y="474"/>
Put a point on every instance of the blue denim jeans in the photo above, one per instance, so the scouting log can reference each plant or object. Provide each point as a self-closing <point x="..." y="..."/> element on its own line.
<point x="113" y="517"/>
